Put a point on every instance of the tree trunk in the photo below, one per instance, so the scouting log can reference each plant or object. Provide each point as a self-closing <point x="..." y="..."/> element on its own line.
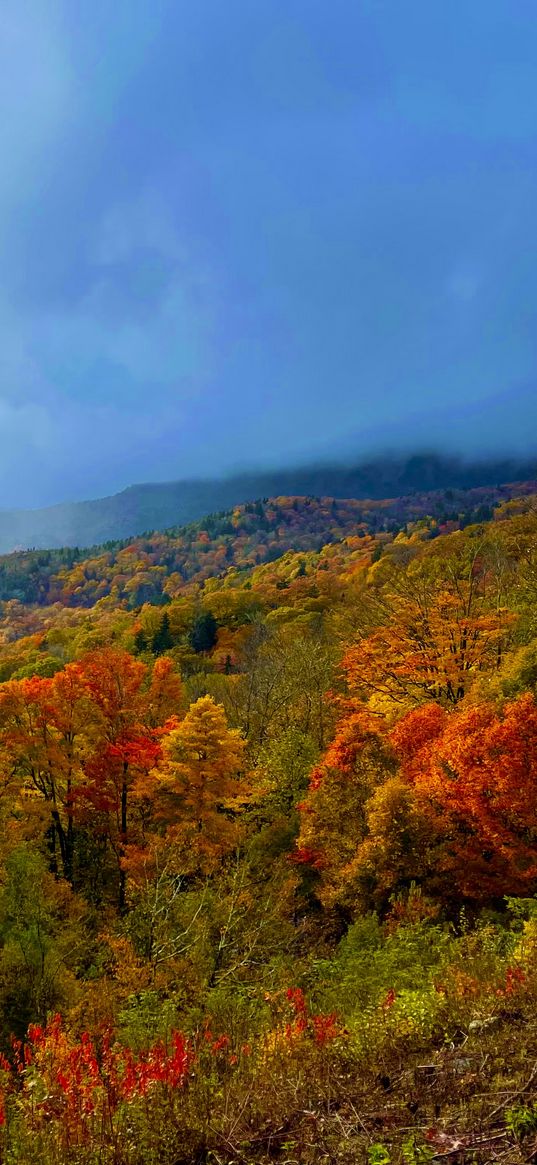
<point x="122" y="898"/>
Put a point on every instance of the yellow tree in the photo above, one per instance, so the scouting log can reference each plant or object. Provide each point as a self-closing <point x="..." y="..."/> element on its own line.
<point x="200" y="787"/>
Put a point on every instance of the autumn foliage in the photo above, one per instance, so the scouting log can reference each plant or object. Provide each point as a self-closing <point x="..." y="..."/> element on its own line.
<point x="477" y="774"/>
<point x="268" y="805"/>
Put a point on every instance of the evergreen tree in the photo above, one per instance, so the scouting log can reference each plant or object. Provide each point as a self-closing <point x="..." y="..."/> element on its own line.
<point x="163" y="638"/>
<point x="140" y="640"/>
<point x="203" y="633"/>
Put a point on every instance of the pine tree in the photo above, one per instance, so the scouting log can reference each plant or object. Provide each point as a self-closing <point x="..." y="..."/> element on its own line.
<point x="163" y="638"/>
<point x="203" y="634"/>
<point x="140" y="640"/>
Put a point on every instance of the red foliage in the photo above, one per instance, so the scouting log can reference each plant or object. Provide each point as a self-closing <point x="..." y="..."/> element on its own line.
<point x="413" y="738"/>
<point x="515" y="979"/>
<point x="321" y="1027"/>
<point x="307" y="857"/>
<point x="353" y="731"/>
<point x="75" y="1080"/>
<point x="476" y="770"/>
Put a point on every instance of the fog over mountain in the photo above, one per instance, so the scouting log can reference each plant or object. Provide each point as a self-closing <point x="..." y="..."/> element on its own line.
<point x="157" y="506"/>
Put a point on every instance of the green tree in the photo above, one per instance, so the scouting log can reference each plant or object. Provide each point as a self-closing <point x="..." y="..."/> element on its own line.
<point x="41" y="941"/>
<point x="203" y="632"/>
<point x="163" y="638"/>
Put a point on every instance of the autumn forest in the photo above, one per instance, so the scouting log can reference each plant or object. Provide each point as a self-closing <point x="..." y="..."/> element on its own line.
<point x="268" y="838"/>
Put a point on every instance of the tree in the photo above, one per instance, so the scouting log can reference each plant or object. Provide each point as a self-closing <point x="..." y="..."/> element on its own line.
<point x="442" y="622"/>
<point x="163" y="638"/>
<point x="395" y="854"/>
<point x="201" y="786"/>
<point x="82" y="739"/>
<point x="46" y="727"/>
<point x="283" y="683"/>
<point x="140" y="640"/>
<point x="125" y="748"/>
<point x="431" y="650"/>
<point x="475" y="773"/>
<point x="41" y="941"/>
<point x="203" y="632"/>
<point x="333" y="814"/>
<point x="163" y="699"/>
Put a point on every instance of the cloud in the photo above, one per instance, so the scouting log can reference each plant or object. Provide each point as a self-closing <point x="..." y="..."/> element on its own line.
<point x="98" y="389"/>
<point x="36" y="91"/>
<point x="143" y="221"/>
<point x="231" y="234"/>
<point x="464" y="282"/>
<point x="142" y="329"/>
<point x="28" y="442"/>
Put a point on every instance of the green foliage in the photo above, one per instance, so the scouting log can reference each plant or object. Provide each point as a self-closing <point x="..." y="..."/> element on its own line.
<point x="370" y="961"/>
<point x="163" y="638"/>
<point x="287" y="760"/>
<point x="414" y="1153"/>
<point x="378" y="1155"/>
<point x="202" y="636"/>
<point x="43" y="942"/>
<point x="521" y="1120"/>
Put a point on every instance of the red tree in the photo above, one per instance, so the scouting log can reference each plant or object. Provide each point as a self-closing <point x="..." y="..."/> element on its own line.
<point x="477" y="772"/>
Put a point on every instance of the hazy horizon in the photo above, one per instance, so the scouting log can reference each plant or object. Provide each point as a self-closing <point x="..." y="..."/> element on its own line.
<point x="392" y="459"/>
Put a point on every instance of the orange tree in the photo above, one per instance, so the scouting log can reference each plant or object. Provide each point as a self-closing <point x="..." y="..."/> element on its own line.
<point x="442" y="620"/>
<point x="333" y="814"/>
<point x="45" y="728"/>
<point x="126" y="748"/>
<point x="475" y="773"/>
<point x="81" y="739"/>
<point x="446" y="799"/>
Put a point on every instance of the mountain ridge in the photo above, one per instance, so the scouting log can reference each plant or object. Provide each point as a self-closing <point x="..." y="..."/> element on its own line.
<point x="154" y="567"/>
<point x="154" y="506"/>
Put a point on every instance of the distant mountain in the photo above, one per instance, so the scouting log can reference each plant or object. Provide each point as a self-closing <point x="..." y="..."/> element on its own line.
<point x="142" y="508"/>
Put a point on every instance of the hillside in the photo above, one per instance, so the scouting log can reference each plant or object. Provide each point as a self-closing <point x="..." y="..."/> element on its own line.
<point x="152" y="568"/>
<point x="158" y="506"/>
<point x="268" y="844"/>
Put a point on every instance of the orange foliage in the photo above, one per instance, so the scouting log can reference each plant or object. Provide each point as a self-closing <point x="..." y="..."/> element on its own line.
<point x="477" y="772"/>
<point x="83" y="737"/>
<point x="436" y="642"/>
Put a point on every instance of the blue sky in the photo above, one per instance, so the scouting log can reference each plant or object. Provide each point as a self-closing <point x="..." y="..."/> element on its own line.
<point x="244" y="232"/>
